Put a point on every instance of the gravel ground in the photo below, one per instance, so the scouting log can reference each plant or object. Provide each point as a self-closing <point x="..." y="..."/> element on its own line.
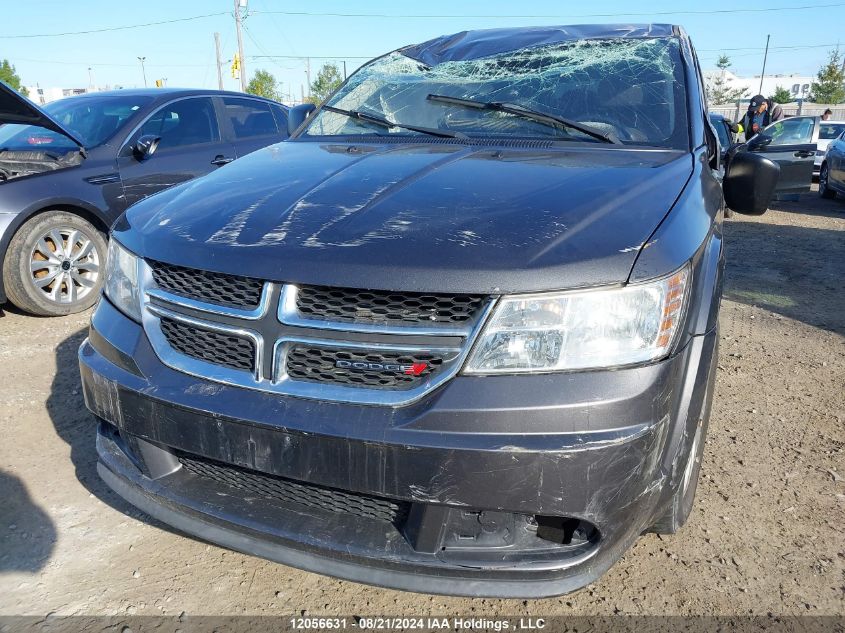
<point x="766" y="535"/>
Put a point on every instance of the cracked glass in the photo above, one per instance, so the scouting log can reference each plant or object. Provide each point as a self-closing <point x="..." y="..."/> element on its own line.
<point x="632" y="88"/>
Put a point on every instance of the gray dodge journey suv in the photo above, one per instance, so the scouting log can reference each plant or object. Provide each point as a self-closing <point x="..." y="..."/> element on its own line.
<point x="457" y="335"/>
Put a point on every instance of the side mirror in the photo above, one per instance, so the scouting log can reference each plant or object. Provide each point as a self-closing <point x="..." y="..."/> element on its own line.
<point x="297" y="116"/>
<point x="750" y="182"/>
<point x="759" y="142"/>
<point x="146" y="146"/>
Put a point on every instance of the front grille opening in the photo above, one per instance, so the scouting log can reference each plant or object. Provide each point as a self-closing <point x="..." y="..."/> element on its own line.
<point x="385" y="307"/>
<point x="388" y="370"/>
<point x="232" y="291"/>
<point x="296" y="492"/>
<point x="565" y="530"/>
<point x="214" y="347"/>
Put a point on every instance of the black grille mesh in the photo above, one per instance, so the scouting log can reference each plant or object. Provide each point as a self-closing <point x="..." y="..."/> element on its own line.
<point x="376" y="306"/>
<point x="319" y="364"/>
<point x="289" y="491"/>
<point x="201" y="285"/>
<point x="222" y="349"/>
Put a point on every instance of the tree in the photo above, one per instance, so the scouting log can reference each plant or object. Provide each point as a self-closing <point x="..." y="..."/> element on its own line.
<point x="8" y="74"/>
<point x="830" y="87"/>
<point x="327" y="81"/>
<point x="718" y="88"/>
<point x="264" y="84"/>
<point x="781" y="95"/>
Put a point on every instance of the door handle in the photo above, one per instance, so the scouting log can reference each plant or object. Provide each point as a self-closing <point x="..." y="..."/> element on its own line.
<point x="803" y="153"/>
<point x="221" y="160"/>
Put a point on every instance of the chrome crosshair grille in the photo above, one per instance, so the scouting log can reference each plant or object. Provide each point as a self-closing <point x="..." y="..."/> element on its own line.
<point x="344" y="345"/>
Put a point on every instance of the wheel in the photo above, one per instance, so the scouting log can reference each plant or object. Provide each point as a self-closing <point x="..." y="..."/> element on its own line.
<point x="824" y="190"/>
<point x="679" y="508"/>
<point x="55" y="264"/>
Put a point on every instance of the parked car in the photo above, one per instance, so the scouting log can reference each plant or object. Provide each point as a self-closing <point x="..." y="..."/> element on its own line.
<point x="69" y="169"/>
<point x="832" y="172"/>
<point x="828" y="130"/>
<point x="457" y="335"/>
<point x="791" y="143"/>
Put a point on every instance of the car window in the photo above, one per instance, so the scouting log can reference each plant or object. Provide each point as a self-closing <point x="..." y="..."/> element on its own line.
<point x="281" y="117"/>
<point x="185" y="122"/>
<point x="93" y="119"/>
<point x="721" y="132"/>
<point x="830" y="130"/>
<point x="791" y="131"/>
<point x="249" y="117"/>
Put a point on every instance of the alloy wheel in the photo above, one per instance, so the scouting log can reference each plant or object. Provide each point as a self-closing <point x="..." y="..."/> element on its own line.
<point x="64" y="265"/>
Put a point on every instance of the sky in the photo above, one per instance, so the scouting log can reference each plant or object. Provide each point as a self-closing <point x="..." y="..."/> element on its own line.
<point x="279" y="35"/>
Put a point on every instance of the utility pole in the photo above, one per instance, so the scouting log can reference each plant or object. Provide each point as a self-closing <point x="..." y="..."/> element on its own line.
<point x="143" y="72"/>
<point x="344" y="70"/>
<point x="217" y="57"/>
<point x="765" y="55"/>
<point x="240" y="42"/>
<point x="90" y="80"/>
<point x="308" y="73"/>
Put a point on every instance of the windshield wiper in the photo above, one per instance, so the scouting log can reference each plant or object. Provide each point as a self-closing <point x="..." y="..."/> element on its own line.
<point x="385" y="123"/>
<point x="526" y="113"/>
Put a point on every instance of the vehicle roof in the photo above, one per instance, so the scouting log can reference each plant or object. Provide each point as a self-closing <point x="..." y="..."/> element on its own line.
<point x="467" y="45"/>
<point x="166" y="92"/>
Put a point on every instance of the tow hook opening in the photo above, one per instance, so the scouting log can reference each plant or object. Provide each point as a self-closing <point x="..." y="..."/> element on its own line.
<point x="565" y="530"/>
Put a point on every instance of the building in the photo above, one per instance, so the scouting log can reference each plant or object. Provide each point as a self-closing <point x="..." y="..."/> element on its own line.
<point x="41" y="95"/>
<point x="797" y="85"/>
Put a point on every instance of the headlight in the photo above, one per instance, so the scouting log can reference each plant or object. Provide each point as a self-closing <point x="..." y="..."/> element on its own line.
<point x="121" y="285"/>
<point x="581" y="329"/>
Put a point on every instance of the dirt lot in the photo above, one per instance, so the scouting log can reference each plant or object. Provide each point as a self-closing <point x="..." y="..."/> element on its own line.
<point x="767" y="534"/>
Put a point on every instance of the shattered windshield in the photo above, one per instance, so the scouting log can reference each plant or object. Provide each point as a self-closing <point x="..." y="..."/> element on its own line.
<point x="631" y="89"/>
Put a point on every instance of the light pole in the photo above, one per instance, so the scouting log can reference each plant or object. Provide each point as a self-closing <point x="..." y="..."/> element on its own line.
<point x="90" y="80"/>
<point x="765" y="56"/>
<point x="238" y="22"/>
<point x="143" y="72"/>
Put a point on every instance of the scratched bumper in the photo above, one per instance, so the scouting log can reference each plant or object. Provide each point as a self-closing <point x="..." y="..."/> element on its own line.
<point x="475" y="464"/>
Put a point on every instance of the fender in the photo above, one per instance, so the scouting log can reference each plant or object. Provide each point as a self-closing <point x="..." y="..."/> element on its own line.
<point x="692" y="231"/>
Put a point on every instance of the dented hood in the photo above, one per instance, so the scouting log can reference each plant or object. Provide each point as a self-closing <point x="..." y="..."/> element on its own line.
<point x="15" y="108"/>
<point x="417" y="217"/>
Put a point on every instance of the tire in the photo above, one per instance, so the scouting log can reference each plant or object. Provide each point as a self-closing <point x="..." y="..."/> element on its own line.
<point x="825" y="191"/>
<point x="73" y="253"/>
<point x="680" y="506"/>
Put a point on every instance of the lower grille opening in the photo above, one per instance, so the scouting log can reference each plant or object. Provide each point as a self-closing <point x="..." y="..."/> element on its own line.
<point x="565" y="530"/>
<point x="300" y="493"/>
<point x="214" y="347"/>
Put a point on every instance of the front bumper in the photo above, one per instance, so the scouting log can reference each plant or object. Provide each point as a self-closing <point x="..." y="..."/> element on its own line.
<point x="475" y="462"/>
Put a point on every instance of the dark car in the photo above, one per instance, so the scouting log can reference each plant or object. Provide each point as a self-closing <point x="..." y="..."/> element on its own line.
<point x="67" y="171"/>
<point x="457" y="335"/>
<point x="832" y="171"/>
<point x="792" y="144"/>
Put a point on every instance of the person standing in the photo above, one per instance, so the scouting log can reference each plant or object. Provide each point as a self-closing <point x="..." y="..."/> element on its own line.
<point x="761" y="112"/>
<point x="827" y="114"/>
